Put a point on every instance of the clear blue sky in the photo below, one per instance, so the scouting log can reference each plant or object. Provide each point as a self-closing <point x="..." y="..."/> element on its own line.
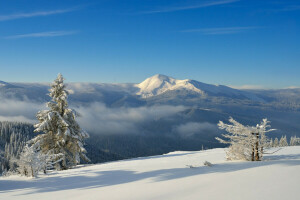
<point x="232" y="42"/>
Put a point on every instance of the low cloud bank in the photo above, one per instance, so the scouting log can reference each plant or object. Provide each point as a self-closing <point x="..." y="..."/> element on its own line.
<point x="192" y="128"/>
<point x="95" y="118"/>
<point x="20" y="111"/>
<point x="100" y="119"/>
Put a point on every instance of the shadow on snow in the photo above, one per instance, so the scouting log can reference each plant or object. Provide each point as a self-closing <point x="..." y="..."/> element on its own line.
<point x="84" y="179"/>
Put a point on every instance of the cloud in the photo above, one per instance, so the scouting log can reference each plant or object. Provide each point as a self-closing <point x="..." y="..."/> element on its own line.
<point x="189" y="7"/>
<point x="21" y="111"/>
<point x="245" y="87"/>
<point x="17" y="119"/>
<point x="35" y="14"/>
<point x="192" y="128"/>
<point x="82" y="87"/>
<point x="97" y="118"/>
<point x="42" y="34"/>
<point x="220" y="31"/>
<point x="292" y="87"/>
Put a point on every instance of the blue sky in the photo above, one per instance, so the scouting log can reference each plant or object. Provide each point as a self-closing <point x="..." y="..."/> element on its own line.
<point x="232" y="42"/>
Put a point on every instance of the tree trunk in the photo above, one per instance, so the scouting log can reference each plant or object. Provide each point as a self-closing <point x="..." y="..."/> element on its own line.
<point x="256" y="147"/>
<point x="252" y="155"/>
<point x="32" y="174"/>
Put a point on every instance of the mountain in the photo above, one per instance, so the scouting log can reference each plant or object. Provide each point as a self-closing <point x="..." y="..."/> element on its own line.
<point x="122" y="93"/>
<point x="6" y="85"/>
<point x="161" y="84"/>
<point x="160" y="89"/>
<point x="158" y="115"/>
<point x="2" y="83"/>
<point x="208" y="103"/>
<point x="176" y="175"/>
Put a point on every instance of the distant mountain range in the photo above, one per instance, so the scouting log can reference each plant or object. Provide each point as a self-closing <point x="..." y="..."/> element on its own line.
<point x="159" y="89"/>
<point x="160" y="114"/>
<point x="282" y="106"/>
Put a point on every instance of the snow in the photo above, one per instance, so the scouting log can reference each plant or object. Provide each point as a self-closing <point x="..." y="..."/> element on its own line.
<point x="167" y="177"/>
<point x="159" y="84"/>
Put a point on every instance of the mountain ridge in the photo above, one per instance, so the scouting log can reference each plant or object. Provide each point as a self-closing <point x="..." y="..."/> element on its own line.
<point x="159" y="89"/>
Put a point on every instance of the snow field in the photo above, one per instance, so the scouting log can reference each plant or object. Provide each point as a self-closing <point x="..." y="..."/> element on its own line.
<point x="168" y="177"/>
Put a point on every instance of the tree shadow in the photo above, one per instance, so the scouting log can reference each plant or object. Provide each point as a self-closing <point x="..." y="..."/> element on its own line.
<point x="89" y="178"/>
<point x="162" y="156"/>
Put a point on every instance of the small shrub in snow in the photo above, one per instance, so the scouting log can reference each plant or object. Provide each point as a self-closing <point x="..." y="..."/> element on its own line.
<point x="206" y="163"/>
<point x="32" y="161"/>
<point x="191" y="166"/>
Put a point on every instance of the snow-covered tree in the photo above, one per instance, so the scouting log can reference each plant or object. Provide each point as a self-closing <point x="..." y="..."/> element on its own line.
<point x="240" y="140"/>
<point x="294" y="141"/>
<point x="32" y="160"/>
<point x="62" y="134"/>
<point x="271" y="143"/>
<point x="283" y="141"/>
<point x="13" y="137"/>
<point x="276" y="142"/>
<point x="262" y="140"/>
<point x="246" y="142"/>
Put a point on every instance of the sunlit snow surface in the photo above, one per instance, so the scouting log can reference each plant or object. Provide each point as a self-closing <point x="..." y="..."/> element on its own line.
<point x="168" y="177"/>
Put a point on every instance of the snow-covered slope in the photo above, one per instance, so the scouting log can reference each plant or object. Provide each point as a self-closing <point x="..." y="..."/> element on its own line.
<point x="168" y="177"/>
<point x="159" y="84"/>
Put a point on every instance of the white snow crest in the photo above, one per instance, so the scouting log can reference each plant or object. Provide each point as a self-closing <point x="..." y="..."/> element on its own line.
<point x="159" y="84"/>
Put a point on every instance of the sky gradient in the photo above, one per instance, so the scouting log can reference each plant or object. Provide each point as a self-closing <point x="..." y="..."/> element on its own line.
<point x="246" y="43"/>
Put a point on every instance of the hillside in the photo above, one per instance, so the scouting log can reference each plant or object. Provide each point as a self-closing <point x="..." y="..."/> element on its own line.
<point x="168" y="177"/>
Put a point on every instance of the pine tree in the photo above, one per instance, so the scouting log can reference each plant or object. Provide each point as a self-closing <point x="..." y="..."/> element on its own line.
<point x="283" y="142"/>
<point x="62" y="134"/>
<point x="13" y="138"/>
<point x="271" y="143"/>
<point x="294" y="141"/>
<point x="246" y="142"/>
<point x="240" y="140"/>
<point x="276" y="142"/>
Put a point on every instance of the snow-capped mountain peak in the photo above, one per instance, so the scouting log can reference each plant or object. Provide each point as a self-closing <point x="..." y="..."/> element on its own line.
<point x="159" y="84"/>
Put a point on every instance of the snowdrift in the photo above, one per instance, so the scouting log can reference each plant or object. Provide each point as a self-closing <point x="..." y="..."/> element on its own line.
<point x="177" y="175"/>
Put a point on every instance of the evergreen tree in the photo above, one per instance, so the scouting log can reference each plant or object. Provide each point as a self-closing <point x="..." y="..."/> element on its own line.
<point x="13" y="137"/>
<point x="276" y="142"/>
<point x="271" y="143"/>
<point x="62" y="134"/>
<point x="246" y="142"/>
<point x="294" y="141"/>
<point x="283" y="142"/>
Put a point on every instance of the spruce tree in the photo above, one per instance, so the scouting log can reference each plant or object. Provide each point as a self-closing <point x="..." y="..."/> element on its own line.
<point x="276" y="142"/>
<point x="62" y="134"/>
<point x="246" y="142"/>
<point x="283" y="142"/>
